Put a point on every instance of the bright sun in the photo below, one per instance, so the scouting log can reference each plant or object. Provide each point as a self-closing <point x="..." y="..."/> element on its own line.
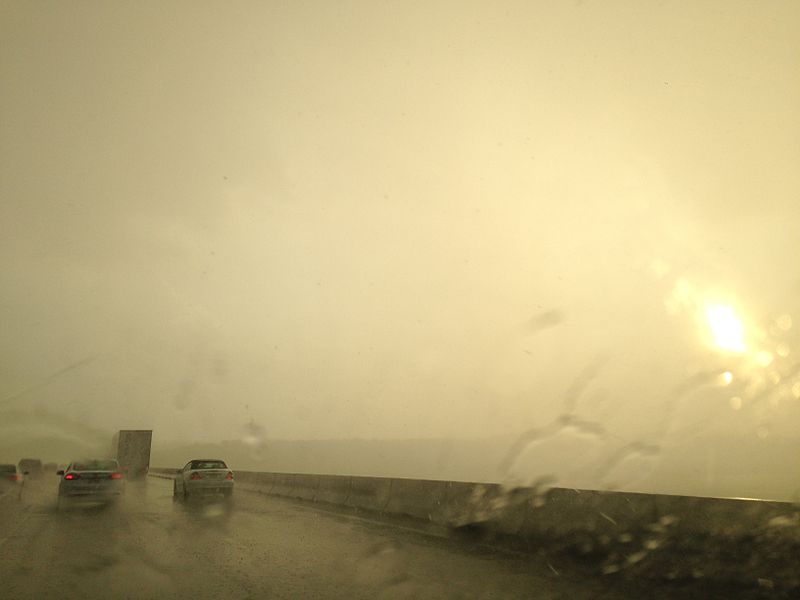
<point x="726" y="328"/>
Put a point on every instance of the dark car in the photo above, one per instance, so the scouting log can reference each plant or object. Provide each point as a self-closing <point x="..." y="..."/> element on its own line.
<point x="12" y="480"/>
<point x="98" y="480"/>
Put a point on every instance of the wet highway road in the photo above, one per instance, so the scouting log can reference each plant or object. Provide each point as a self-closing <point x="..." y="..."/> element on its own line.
<point x="264" y="547"/>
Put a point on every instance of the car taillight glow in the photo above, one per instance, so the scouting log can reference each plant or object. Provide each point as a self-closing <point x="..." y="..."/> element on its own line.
<point x="14" y="477"/>
<point x="71" y="476"/>
<point x="195" y="476"/>
<point x="229" y="476"/>
<point x="116" y="476"/>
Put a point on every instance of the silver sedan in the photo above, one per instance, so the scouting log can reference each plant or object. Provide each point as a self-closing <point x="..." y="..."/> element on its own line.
<point x="203" y="477"/>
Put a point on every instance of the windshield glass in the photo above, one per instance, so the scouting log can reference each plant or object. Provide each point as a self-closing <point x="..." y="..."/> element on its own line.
<point x="479" y="298"/>
<point x="208" y="464"/>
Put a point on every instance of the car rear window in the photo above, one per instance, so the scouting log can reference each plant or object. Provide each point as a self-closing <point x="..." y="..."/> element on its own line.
<point x="8" y="469"/>
<point x="208" y="464"/>
<point x="96" y="465"/>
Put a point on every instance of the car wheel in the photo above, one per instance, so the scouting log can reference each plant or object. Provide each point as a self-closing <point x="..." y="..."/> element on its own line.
<point x="175" y="496"/>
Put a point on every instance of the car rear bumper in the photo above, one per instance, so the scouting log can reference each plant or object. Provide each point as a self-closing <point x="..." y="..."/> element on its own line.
<point x="100" y="492"/>
<point x="91" y="493"/>
<point x="209" y="487"/>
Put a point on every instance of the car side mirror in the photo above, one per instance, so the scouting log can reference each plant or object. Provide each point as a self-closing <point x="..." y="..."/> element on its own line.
<point x="59" y="472"/>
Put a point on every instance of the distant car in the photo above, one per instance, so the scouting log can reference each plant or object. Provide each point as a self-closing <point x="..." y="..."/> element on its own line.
<point x="12" y="480"/>
<point x="203" y="477"/>
<point x="97" y="479"/>
<point x="32" y="465"/>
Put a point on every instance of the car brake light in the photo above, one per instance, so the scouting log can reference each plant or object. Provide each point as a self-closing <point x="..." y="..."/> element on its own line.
<point x="229" y="476"/>
<point x="195" y="476"/>
<point x="116" y="476"/>
<point x="14" y="477"/>
<point x="71" y="476"/>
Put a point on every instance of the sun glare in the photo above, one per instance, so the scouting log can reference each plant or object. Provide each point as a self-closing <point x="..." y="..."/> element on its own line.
<point x="726" y="328"/>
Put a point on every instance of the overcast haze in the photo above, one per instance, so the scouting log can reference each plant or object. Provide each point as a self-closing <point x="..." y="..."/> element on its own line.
<point x="400" y="220"/>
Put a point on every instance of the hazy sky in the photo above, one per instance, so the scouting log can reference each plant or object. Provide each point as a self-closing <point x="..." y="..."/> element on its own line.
<point x="398" y="219"/>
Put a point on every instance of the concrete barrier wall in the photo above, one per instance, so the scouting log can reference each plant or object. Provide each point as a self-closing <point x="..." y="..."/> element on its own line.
<point x="561" y="512"/>
<point x="418" y="498"/>
<point x="162" y="473"/>
<point x="333" y="489"/>
<point x="305" y="487"/>
<point x="645" y="534"/>
<point x="255" y="482"/>
<point x="369" y="493"/>
<point x="553" y="513"/>
<point x="282" y="484"/>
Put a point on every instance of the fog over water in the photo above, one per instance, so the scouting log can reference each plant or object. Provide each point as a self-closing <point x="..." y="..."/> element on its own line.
<point x="570" y="228"/>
